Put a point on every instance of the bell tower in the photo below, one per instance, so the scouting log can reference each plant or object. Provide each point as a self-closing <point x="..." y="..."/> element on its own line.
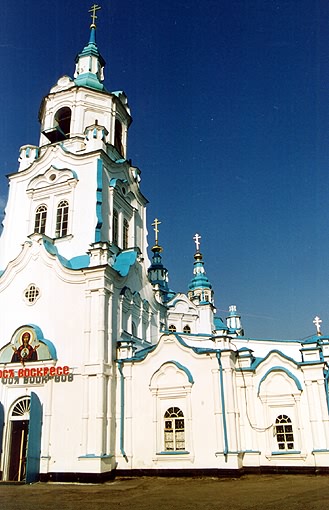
<point x="77" y="187"/>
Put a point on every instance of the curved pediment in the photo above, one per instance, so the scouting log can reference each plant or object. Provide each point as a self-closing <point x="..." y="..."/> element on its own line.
<point x="181" y="304"/>
<point x="171" y="374"/>
<point x="64" y="83"/>
<point x="53" y="176"/>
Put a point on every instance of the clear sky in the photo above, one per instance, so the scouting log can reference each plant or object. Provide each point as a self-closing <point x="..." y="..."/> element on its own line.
<point x="231" y="121"/>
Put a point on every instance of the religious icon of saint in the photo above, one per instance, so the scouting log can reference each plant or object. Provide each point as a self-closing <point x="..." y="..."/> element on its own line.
<point x="25" y="351"/>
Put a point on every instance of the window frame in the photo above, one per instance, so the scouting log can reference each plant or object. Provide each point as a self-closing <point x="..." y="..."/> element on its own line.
<point x="62" y="219"/>
<point x="40" y="219"/>
<point x="115" y="227"/>
<point x="174" y="428"/>
<point x="283" y="436"/>
<point x="125" y="234"/>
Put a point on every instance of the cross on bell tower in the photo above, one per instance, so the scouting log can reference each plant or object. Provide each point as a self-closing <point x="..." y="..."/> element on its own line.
<point x="93" y="16"/>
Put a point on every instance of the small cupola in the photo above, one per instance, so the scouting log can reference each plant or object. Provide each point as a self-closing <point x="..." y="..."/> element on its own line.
<point x="89" y="68"/>
<point x="157" y="273"/>
<point x="200" y="289"/>
<point x="233" y="321"/>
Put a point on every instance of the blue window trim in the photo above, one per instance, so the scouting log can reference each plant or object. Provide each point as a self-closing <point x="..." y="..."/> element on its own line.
<point x="287" y="452"/>
<point x="175" y="452"/>
<point x="94" y="456"/>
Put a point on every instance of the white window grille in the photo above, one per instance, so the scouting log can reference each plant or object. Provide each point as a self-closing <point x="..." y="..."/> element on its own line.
<point x="174" y="430"/>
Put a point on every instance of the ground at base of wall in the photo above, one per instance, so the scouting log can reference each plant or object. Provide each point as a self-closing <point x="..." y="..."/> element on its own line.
<point x="179" y="473"/>
<point x="250" y="492"/>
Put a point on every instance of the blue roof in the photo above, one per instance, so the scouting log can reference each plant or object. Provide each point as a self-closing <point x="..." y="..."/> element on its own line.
<point x="219" y="324"/>
<point x="78" y="262"/>
<point x="124" y="261"/>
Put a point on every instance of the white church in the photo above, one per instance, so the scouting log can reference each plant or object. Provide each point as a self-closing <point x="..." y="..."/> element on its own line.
<point x="104" y="369"/>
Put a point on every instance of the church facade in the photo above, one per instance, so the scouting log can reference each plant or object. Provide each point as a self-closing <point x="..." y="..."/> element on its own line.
<point x="103" y="368"/>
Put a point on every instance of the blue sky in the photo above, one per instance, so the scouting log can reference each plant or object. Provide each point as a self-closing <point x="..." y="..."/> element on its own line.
<point x="231" y="121"/>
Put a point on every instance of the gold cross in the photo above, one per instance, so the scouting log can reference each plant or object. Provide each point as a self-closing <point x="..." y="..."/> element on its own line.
<point x="155" y="224"/>
<point x="93" y="10"/>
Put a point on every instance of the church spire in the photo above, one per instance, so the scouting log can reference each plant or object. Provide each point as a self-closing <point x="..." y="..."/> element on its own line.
<point x="89" y="69"/>
<point x="157" y="273"/>
<point x="200" y="289"/>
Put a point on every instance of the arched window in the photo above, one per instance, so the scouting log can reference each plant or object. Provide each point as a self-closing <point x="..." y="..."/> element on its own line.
<point x="187" y="329"/>
<point x="118" y="136"/>
<point x="62" y="218"/>
<point x="21" y="409"/>
<point x="125" y="234"/>
<point x="134" y="329"/>
<point x="63" y="120"/>
<point x="172" y="328"/>
<point x="115" y="226"/>
<point x="284" y="433"/>
<point x="174" y="430"/>
<point x="40" y="219"/>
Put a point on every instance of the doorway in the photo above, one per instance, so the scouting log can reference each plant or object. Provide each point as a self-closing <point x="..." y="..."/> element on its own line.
<point x="18" y="448"/>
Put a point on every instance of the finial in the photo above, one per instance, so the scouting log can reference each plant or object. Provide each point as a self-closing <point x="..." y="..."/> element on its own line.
<point x="155" y="224"/>
<point x="196" y="240"/>
<point x="93" y="10"/>
<point x="317" y="322"/>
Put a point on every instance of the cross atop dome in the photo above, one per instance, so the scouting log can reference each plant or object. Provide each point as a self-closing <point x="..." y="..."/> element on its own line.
<point x="155" y="224"/>
<point x="197" y="242"/>
<point x="200" y="288"/>
<point x="93" y="16"/>
<point x="317" y="322"/>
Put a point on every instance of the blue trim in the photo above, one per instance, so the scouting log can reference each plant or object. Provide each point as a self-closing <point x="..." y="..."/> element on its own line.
<point x="99" y="198"/>
<point x="275" y="340"/>
<point x="176" y="452"/>
<point x="258" y="361"/>
<point x="39" y="335"/>
<point x="124" y="261"/>
<point x="218" y="355"/>
<point x="315" y="362"/>
<point x="115" y="180"/>
<point x="320" y="450"/>
<point x="2" y="424"/>
<point x="326" y="377"/>
<point x="229" y="452"/>
<point x="143" y="353"/>
<point x="280" y="369"/>
<point x="122" y="411"/>
<point x="180" y="367"/>
<point x="79" y="262"/>
<point x="93" y="456"/>
<point x="286" y="452"/>
<point x="34" y="440"/>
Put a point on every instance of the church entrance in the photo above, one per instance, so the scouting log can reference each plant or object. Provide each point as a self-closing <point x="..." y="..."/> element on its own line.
<point x="24" y="440"/>
<point x="18" y="446"/>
